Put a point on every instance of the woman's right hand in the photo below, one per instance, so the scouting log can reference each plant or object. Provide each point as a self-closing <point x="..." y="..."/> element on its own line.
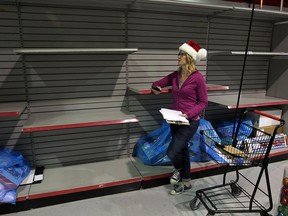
<point x="156" y="89"/>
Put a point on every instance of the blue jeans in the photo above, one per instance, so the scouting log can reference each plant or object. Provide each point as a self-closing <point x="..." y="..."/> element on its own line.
<point x="178" y="150"/>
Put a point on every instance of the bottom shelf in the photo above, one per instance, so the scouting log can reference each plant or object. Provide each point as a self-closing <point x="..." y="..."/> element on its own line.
<point x="70" y="183"/>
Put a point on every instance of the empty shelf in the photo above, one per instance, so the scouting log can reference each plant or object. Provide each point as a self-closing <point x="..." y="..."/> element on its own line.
<point x="145" y="88"/>
<point x="248" y="53"/>
<point x="214" y="87"/>
<point x="156" y="172"/>
<point x="59" y="183"/>
<point x="228" y="11"/>
<point x="124" y="171"/>
<point x="260" y="53"/>
<point x="247" y="100"/>
<point x="90" y="176"/>
<point x="74" y="50"/>
<point x="76" y="119"/>
<point x="12" y="109"/>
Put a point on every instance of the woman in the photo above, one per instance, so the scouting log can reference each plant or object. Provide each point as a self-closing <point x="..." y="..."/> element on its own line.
<point x="190" y="97"/>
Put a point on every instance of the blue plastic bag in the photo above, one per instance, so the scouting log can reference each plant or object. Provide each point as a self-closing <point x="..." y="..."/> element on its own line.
<point x="9" y="158"/>
<point x="197" y="147"/>
<point x="152" y="148"/>
<point x="223" y="136"/>
<point x="14" y="168"/>
<point x="225" y="131"/>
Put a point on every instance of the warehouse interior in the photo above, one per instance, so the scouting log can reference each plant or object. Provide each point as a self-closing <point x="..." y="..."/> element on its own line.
<point x="76" y="77"/>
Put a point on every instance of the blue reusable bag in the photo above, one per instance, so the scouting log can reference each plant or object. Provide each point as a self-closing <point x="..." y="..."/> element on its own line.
<point x="197" y="148"/>
<point x="14" y="168"/>
<point x="9" y="158"/>
<point x="225" y="130"/>
<point x="152" y="148"/>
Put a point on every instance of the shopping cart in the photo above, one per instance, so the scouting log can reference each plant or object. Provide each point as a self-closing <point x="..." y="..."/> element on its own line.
<point x="239" y="147"/>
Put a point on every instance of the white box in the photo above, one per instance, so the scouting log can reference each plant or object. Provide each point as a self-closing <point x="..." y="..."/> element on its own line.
<point x="263" y="121"/>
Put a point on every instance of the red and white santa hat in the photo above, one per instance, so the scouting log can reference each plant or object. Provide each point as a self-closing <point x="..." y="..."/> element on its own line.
<point x="194" y="50"/>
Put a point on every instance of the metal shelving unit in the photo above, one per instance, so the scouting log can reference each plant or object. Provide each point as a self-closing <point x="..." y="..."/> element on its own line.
<point x="61" y="181"/>
<point x="76" y="119"/>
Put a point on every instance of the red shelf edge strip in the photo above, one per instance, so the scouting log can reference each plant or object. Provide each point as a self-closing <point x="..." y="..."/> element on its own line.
<point x="9" y="114"/>
<point x="19" y="199"/>
<point x="82" y="189"/>
<point x="258" y="105"/>
<point x="148" y="91"/>
<point x="214" y="88"/>
<point x="278" y="153"/>
<point x="217" y="88"/>
<point x="192" y="170"/>
<point x="90" y="124"/>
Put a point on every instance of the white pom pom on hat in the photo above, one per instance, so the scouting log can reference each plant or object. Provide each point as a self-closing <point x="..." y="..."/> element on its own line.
<point x="194" y="50"/>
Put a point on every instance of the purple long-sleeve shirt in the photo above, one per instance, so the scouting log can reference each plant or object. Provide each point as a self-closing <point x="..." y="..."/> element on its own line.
<point x="191" y="98"/>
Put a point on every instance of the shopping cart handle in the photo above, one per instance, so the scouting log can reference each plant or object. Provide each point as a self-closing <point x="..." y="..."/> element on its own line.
<point x="268" y="115"/>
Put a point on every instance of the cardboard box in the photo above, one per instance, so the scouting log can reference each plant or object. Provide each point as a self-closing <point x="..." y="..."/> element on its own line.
<point x="270" y="129"/>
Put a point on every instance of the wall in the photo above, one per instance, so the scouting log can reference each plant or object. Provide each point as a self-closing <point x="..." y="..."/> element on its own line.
<point x="70" y="82"/>
<point x="278" y="70"/>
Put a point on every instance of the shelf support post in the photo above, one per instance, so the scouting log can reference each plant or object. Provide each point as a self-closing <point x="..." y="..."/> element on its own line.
<point x="19" y="14"/>
<point x="126" y="13"/>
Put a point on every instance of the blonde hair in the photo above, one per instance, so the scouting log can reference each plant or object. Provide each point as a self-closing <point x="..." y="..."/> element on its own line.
<point x="190" y="67"/>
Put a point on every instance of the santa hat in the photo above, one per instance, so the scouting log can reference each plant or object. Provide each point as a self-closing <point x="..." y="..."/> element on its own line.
<point x="194" y="50"/>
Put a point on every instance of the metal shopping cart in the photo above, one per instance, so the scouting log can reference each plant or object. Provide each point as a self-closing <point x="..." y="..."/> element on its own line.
<point x="247" y="147"/>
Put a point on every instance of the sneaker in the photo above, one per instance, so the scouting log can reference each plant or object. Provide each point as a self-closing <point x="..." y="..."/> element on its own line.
<point x="175" y="178"/>
<point x="180" y="188"/>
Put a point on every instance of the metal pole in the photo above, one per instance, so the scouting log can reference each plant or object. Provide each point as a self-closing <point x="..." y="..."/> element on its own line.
<point x="243" y="69"/>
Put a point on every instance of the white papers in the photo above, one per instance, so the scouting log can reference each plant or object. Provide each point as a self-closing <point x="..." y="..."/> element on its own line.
<point x="38" y="177"/>
<point x="173" y="115"/>
<point x="29" y="178"/>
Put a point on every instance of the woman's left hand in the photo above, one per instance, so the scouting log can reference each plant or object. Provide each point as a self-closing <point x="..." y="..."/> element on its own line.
<point x="184" y="115"/>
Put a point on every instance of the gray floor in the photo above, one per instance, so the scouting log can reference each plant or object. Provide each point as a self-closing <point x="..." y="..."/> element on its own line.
<point x="157" y="201"/>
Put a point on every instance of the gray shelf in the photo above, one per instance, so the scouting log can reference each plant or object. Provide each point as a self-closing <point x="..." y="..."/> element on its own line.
<point x="260" y="53"/>
<point x="146" y="88"/>
<point x="77" y="119"/>
<point x="247" y="100"/>
<point x="78" y="101"/>
<point x="75" y="50"/>
<point x="61" y="180"/>
<point x="12" y="109"/>
<point x="203" y="8"/>
<point x="227" y="9"/>
<point x="90" y="176"/>
<point x="211" y="53"/>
